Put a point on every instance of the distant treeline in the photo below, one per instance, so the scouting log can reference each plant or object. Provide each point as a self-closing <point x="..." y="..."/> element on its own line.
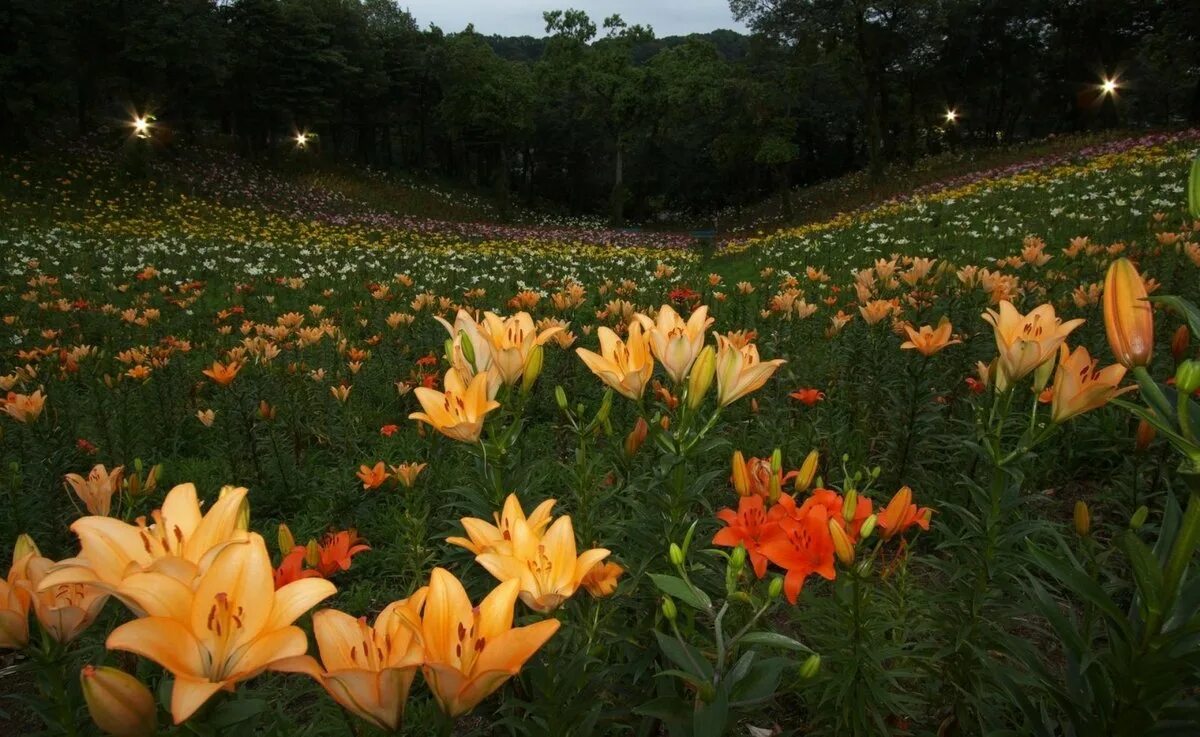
<point x="603" y="117"/>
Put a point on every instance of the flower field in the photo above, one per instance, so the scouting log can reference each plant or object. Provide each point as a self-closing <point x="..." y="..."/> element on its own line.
<point x="283" y="456"/>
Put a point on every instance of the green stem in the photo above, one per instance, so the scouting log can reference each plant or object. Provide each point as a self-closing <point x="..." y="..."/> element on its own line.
<point x="1153" y="394"/>
<point x="1183" y="549"/>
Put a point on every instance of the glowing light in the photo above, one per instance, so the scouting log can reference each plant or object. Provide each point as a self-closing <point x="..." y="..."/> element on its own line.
<point x="301" y="139"/>
<point x="141" y="126"/>
<point x="1109" y="86"/>
<point x="951" y="116"/>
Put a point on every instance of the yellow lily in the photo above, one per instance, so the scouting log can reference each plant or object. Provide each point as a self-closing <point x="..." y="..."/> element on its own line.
<point x="739" y="370"/>
<point x="546" y="565"/>
<point x="471" y="651"/>
<point x="676" y="343"/>
<point x="1079" y="386"/>
<point x="484" y="537"/>
<point x="1027" y="341"/>
<point x="459" y="411"/>
<point x="625" y="365"/>
<point x="367" y="669"/>
<point x="96" y="491"/>
<point x="178" y="543"/>
<point x="512" y="342"/>
<point x="231" y="627"/>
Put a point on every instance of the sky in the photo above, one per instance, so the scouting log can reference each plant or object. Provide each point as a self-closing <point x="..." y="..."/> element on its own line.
<point x="524" y="17"/>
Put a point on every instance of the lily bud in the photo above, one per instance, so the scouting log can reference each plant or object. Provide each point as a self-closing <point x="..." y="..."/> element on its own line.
<point x="810" y="666"/>
<point x="849" y="504"/>
<point x="312" y="553"/>
<point x="448" y="347"/>
<point x="25" y="546"/>
<point x="1144" y="436"/>
<point x="118" y="703"/>
<point x="808" y="471"/>
<point x="841" y="543"/>
<point x="775" y="588"/>
<point x="1083" y="519"/>
<point x="1139" y="518"/>
<point x="533" y="368"/>
<point x="737" y="560"/>
<point x="668" y="608"/>
<point x="776" y="473"/>
<point x="560" y="398"/>
<point x="675" y="553"/>
<point x="741" y="478"/>
<point x="868" y="526"/>
<point x="467" y="348"/>
<point x="1042" y="374"/>
<point x="700" y="378"/>
<point x="1128" y="318"/>
<point x="243" y="517"/>
<point x="605" y="407"/>
<point x="1187" y="376"/>
<point x="285" y="539"/>
<point x="636" y="436"/>
<point x="1180" y="342"/>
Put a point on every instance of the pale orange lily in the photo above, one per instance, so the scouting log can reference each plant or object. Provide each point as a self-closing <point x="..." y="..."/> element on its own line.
<point x="471" y="651"/>
<point x="901" y="514"/>
<point x="96" y="491"/>
<point x="223" y="374"/>
<point x="484" y="537"/>
<point x="1079" y="386"/>
<point x="625" y="365"/>
<point x="739" y="370"/>
<point x="179" y="542"/>
<point x="406" y="473"/>
<point x="677" y="343"/>
<point x="470" y="350"/>
<point x="15" y="597"/>
<point x="459" y="411"/>
<point x="928" y="341"/>
<point x="65" y="610"/>
<point x="512" y="341"/>
<point x="1027" y="341"/>
<point x="367" y="669"/>
<point x="231" y="627"/>
<point x="24" y="408"/>
<point x="602" y="580"/>
<point x="546" y="566"/>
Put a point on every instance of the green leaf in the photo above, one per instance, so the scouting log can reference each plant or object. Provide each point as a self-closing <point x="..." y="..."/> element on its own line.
<point x="1194" y="189"/>
<point x="1147" y="573"/>
<point x="667" y="708"/>
<point x="774" y="639"/>
<point x="1081" y="585"/>
<point x="709" y="720"/>
<point x="1185" y="308"/>
<point x="679" y="589"/>
<point x="760" y="683"/>
<point x="685" y="656"/>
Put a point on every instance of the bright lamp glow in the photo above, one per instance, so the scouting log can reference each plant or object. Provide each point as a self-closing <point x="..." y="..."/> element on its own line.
<point x="141" y="126"/>
<point x="1109" y="86"/>
<point x="951" y="116"/>
<point x="301" y="139"/>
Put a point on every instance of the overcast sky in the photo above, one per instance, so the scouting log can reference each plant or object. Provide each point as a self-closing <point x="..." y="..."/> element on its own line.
<point x="524" y="17"/>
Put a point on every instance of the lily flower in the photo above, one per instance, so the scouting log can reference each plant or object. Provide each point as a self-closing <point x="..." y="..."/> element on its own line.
<point x="471" y="651"/>
<point x="64" y="610"/>
<point x="223" y="374"/>
<point x="625" y="365"/>
<point x="512" y="343"/>
<point x="459" y="411"/>
<point x="901" y="514"/>
<point x="676" y="343"/>
<point x="15" y="597"/>
<point x="484" y="537"/>
<point x="739" y="370"/>
<point x="231" y="627"/>
<point x="1027" y="341"/>
<point x="96" y="491"/>
<point x="1079" y="386"/>
<point x="367" y="669"/>
<point x="406" y="473"/>
<point x="928" y="341"/>
<point x="601" y="580"/>
<point x="24" y="408"/>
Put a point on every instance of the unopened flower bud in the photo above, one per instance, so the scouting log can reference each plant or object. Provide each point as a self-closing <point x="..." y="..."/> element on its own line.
<point x="265" y="411"/>
<point x="1179" y="343"/>
<point x="700" y="378"/>
<point x="605" y="410"/>
<point x="1187" y="376"/>
<point x="741" y="476"/>
<point x="849" y="505"/>
<point x="1139" y="518"/>
<point x="118" y="703"/>
<point x="841" y="543"/>
<point x="808" y="471"/>
<point x="868" y="526"/>
<point x="775" y="588"/>
<point x="1128" y="317"/>
<point x="533" y="368"/>
<point x="25" y="546"/>
<point x="737" y="560"/>
<point x="468" y="349"/>
<point x="1041" y="375"/>
<point x="636" y="436"/>
<point x="1145" y="436"/>
<point x="285" y="539"/>
<point x="668" y="608"/>
<point x="1083" y="519"/>
<point x="560" y="397"/>
<point x="810" y="666"/>
<point x="675" y="554"/>
<point x="312" y="553"/>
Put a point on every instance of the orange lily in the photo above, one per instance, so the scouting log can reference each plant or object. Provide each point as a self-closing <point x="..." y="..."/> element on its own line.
<point x="291" y="568"/>
<point x="458" y="412"/>
<point x="471" y="651"/>
<point x="739" y="370"/>
<point x="15" y="598"/>
<point x="406" y="473"/>
<point x="928" y="341"/>
<point x="223" y="374"/>
<point x="676" y="343"/>
<point x="545" y="564"/>
<point x="64" y="610"/>
<point x="512" y="342"/>
<point x="367" y="669"/>
<point x="1027" y="341"/>
<point x="1128" y="317"/>
<point x="372" y="477"/>
<point x="601" y="580"/>
<point x="901" y="514"/>
<point x="179" y="542"/>
<point x="1079" y="386"/>
<point x="96" y="491"/>
<point x="337" y="549"/>
<point x="24" y="408"/>
<point x="231" y="627"/>
<point x="625" y="365"/>
<point x="484" y="537"/>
